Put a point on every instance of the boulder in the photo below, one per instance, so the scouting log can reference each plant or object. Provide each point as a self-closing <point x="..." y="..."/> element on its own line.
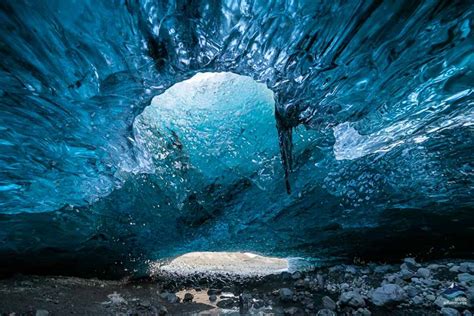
<point x="352" y="299"/>
<point x="388" y="294"/>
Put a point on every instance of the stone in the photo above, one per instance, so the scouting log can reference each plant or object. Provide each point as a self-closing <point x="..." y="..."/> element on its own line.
<point x="441" y="301"/>
<point x="258" y="304"/>
<point x="286" y="294"/>
<point x="212" y="297"/>
<point x="162" y="311"/>
<point x="169" y="297"/>
<point x="326" y="312"/>
<point x="328" y="303"/>
<point x="214" y="292"/>
<point x="300" y="284"/>
<point x="320" y="280"/>
<point x="362" y="312"/>
<point x="417" y="300"/>
<point x="430" y="297"/>
<point x="434" y="266"/>
<point x="388" y="294"/>
<point x="454" y="269"/>
<point x="226" y="303"/>
<point x="116" y="299"/>
<point x="344" y="286"/>
<point x="296" y="275"/>
<point x="410" y="261"/>
<point x="337" y="268"/>
<point x="423" y="273"/>
<point x="382" y="269"/>
<point x="466" y="267"/>
<point x="41" y="312"/>
<point x="351" y="269"/>
<point x="188" y="297"/>
<point x="406" y="274"/>
<point x="410" y="264"/>
<point x="465" y="277"/>
<point x="291" y="311"/>
<point x="352" y="298"/>
<point x="448" y="311"/>
<point x="411" y="290"/>
<point x="466" y="313"/>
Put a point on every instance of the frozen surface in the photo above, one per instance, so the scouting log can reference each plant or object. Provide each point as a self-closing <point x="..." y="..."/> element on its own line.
<point x="373" y="101"/>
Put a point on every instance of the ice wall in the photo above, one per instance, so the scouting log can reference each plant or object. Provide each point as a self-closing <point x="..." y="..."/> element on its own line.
<point x="378" y="95"/>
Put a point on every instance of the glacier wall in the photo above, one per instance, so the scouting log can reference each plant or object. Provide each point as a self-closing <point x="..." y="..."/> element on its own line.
<point x="373" y="103"/>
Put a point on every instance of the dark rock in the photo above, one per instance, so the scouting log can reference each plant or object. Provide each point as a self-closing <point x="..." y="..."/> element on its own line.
<point x="286" y="294"/>
<point x="212" y="297"/>
<point x="162" y="311"/>
<point x="169" y="297"/>
<point x="328" y="303"/>
<point x="362" y="312"/>
<point x="326" y="312"/>
<point x="41" y="312"/>
<point x="188" y="297"/>
<point x="258" y="304"/>
<point x="226" y="303"/>
<point x="293" y="311"/>
<point x="214" y="292"/>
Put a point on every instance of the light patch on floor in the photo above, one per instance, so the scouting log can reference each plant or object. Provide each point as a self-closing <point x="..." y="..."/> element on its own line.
<point x="236" y="263"/>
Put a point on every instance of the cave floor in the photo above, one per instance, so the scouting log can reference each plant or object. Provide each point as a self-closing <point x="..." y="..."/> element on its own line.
<point x="414" y="289"/>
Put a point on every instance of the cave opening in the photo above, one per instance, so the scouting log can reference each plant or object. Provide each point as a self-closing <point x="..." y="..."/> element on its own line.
<point x="222" y="262"/>
<point x="219" y="124"/>
<point x="202" y="137"/>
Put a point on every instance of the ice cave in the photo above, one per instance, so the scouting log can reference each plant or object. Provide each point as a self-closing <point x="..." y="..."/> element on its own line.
<point x="136" y="134"/>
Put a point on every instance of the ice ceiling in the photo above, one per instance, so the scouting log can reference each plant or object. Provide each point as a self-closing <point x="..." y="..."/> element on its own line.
<point x="373" y="107"/>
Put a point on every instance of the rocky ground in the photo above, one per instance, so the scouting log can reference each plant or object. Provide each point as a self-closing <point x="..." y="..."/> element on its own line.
<point x="409" y="288"/>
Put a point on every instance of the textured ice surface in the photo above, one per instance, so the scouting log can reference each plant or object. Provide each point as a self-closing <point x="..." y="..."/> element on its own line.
<point x="378" y="94"/>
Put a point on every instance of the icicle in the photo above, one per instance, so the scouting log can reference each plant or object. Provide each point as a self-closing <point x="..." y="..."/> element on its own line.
<point x="285" y="139"/>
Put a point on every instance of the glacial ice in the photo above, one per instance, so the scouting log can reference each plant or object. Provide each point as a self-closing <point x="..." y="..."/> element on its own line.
<point x="371" y="103"/>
